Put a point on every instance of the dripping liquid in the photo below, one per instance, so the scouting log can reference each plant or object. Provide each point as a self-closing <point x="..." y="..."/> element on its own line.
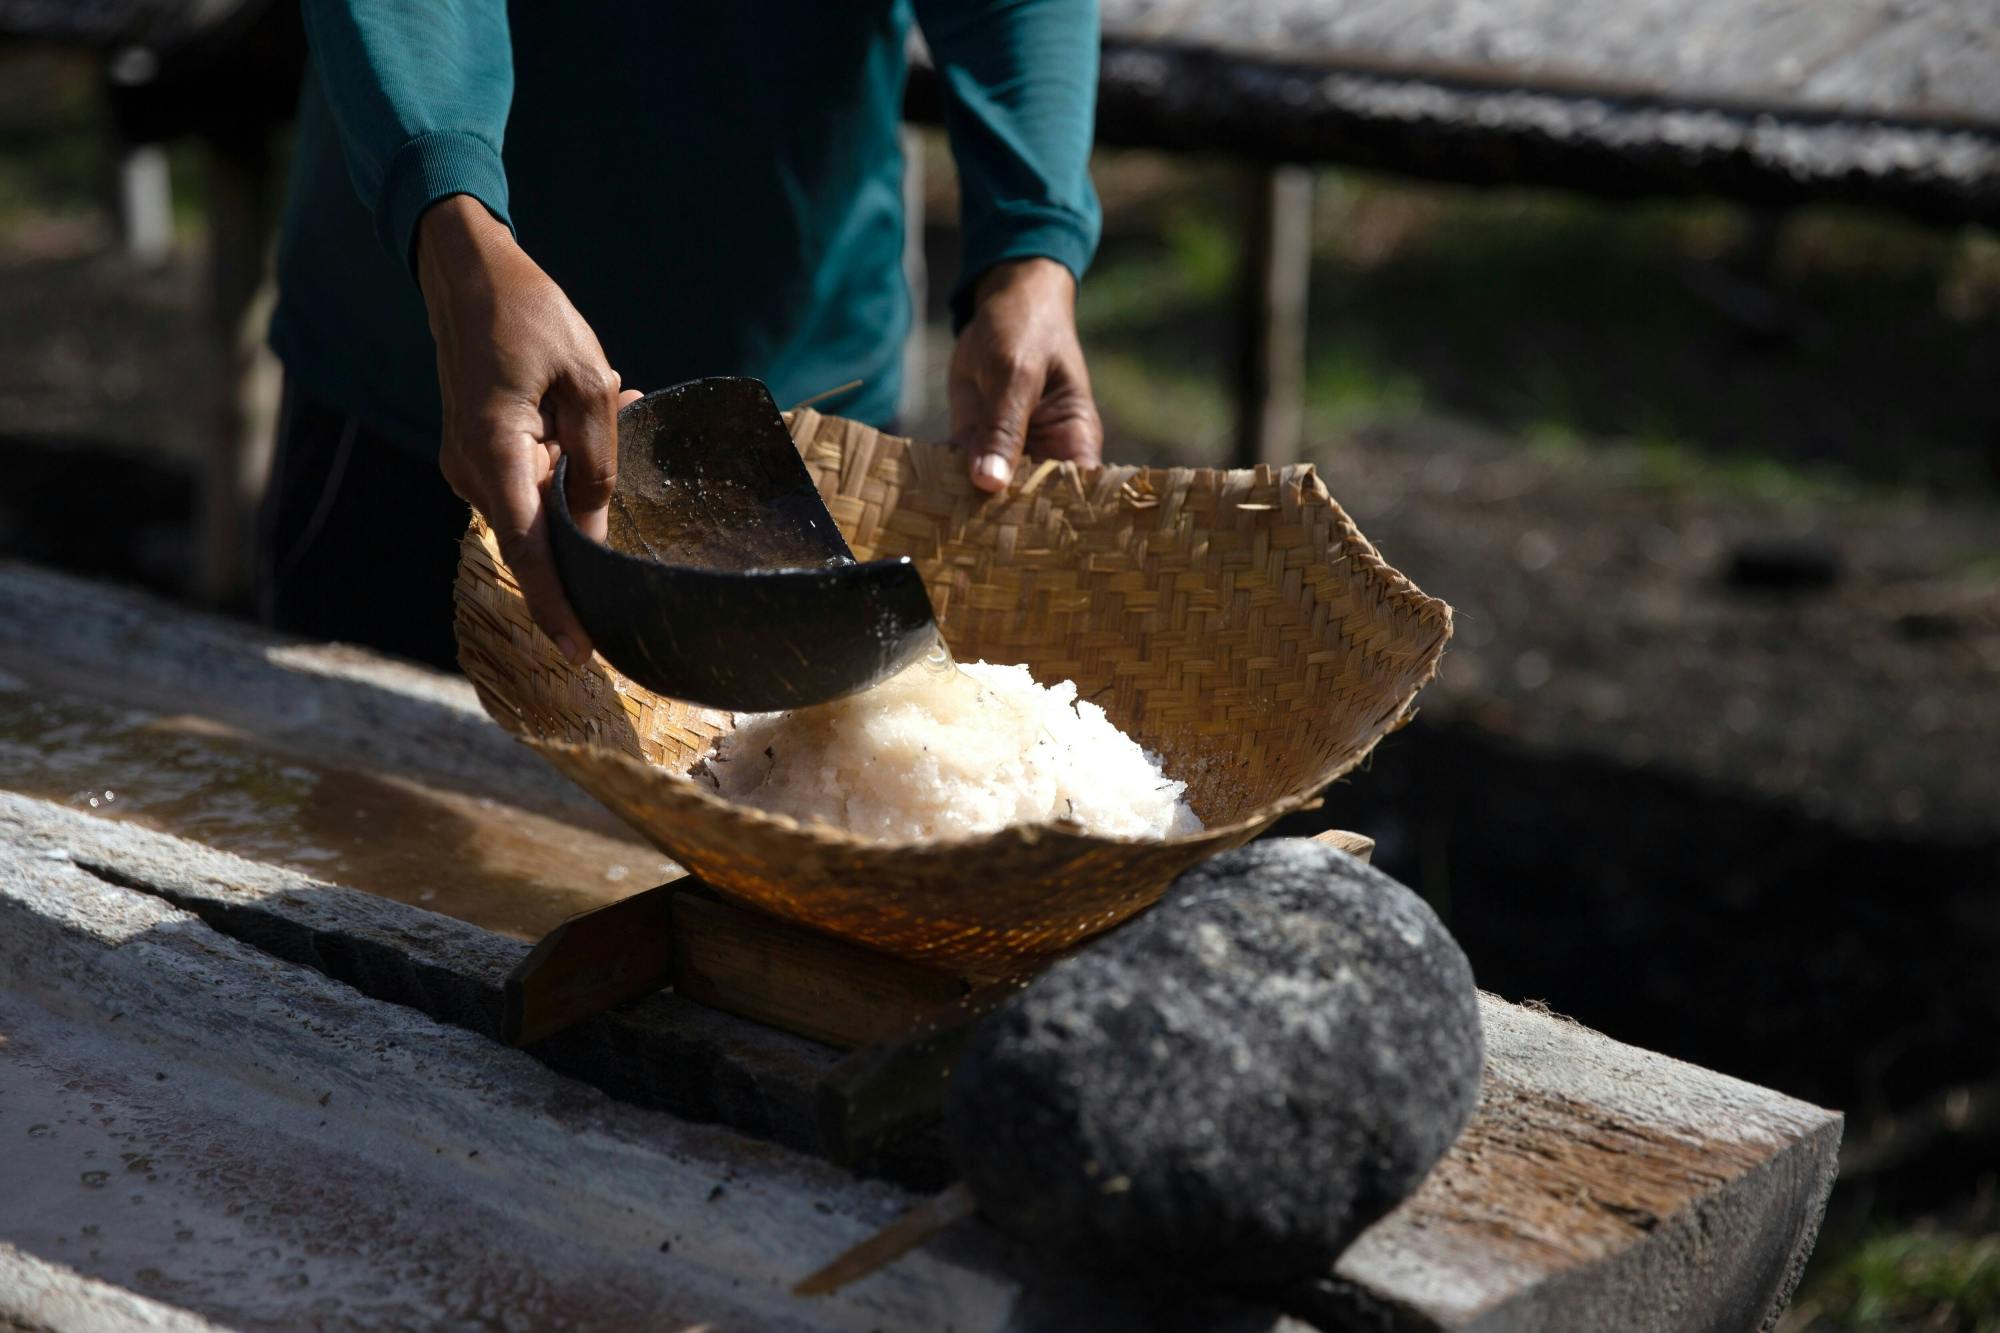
<point x="940" y="663"/>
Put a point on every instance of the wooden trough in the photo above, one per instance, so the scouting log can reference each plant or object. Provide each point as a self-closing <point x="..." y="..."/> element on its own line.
<point x="279" y="1051"/>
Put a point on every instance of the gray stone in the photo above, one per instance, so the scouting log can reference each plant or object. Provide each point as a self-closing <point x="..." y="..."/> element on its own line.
<point x="1234" y="1086"/>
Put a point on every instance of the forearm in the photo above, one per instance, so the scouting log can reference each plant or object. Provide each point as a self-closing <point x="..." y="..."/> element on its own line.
<point x="420" y="91"/>
<point x="1020" y="85"/>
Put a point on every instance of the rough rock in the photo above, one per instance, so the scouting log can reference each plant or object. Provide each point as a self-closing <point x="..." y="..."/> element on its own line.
<point x="1232" y="1087"/>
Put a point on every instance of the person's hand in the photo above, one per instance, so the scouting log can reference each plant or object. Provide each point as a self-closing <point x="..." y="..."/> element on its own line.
<point x="1018" y="382"/>
<point x="523" y="381"/>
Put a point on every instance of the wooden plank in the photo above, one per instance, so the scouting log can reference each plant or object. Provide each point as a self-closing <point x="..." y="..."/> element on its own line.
<point x="1599" y="1186"/>
<point x="1595" y="1181"/>
<point x="313" y="698"/>
<point x="665" y="1051"/>
<point x="259" y="1145"/>
<point x="1900" y="60"/>
<point x="36" y="1295"/>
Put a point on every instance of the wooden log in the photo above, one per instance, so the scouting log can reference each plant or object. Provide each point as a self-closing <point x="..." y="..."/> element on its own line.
<point x="1594" y="1177"/>
<point x="253" y="1143"/>
<point x="1598" y="1186"/>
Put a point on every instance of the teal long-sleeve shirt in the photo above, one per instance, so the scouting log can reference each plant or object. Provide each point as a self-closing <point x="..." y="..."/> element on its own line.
<point x="717" y="187"/>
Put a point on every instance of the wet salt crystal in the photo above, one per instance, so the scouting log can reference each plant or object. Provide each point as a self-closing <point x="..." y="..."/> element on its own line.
<point x="615" y="873"/>
<point x="934" y="755"/>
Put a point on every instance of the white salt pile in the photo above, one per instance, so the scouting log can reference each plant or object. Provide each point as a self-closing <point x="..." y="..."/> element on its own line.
<point x="939" y="753"/>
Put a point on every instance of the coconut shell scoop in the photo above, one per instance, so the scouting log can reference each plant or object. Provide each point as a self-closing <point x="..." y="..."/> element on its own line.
<point x="726" y="582"/>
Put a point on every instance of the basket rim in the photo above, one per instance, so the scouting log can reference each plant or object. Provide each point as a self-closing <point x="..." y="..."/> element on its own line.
<point x="1311" y="486"/>
<point x="1298" y="483"/>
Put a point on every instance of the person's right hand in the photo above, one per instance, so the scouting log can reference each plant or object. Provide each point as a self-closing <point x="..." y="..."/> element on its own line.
<point x="523" y="381"/>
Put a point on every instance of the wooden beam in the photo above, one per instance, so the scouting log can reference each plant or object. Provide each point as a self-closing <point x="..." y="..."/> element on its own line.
<point x="251" y="1142"/>
<point x="1598" y="1186"/>
<point x="1271" y="332"/>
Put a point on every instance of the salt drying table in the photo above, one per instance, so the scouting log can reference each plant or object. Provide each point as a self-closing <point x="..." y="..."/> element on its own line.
<point x="1889" y="103"/>
<point x="247" y="1077"/>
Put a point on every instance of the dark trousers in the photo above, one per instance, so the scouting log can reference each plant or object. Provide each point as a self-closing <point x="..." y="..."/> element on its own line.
<point x="358" y="537"/>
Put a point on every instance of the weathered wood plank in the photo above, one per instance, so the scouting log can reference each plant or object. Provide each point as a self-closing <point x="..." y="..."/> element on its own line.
<point x="37" y="1296"/>
<point x="1911" y="60"/>
<point x="390" y="715"/>
<point x="665" y="1051"/>
<point x="1601" y="1186"/>
<point x="1597" y="1181"/>
<point x="1619" y="1179"/>
<point x="260" y="1145"/>
<point x="1775" y="103"/>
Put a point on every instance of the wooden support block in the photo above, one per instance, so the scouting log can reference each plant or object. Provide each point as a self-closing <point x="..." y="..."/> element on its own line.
<point x="884" y="1096"/>
<point x="589" y="963"/>
<point x="1357" y="845"/>
<point x="750" y="964"/>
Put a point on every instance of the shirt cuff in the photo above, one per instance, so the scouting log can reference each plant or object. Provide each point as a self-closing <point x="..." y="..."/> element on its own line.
<point x="432" y="167"/>
<point x="1041" y="233"/>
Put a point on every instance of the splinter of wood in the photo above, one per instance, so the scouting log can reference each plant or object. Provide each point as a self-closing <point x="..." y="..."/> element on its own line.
<point x="925" y="1218"/>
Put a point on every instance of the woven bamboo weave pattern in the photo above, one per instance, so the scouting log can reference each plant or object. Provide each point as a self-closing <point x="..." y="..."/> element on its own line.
<point x="1235" y="623"/>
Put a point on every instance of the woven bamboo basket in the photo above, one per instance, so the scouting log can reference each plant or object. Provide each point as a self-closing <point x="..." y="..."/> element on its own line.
<point x="1235" y="623"/>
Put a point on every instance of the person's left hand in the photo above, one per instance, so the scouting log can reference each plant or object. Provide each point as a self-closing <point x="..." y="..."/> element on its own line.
<point x="1018" y="383"/>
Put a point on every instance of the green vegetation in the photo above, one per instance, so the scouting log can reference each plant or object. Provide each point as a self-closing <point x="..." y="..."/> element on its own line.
<point x="1922" y="1279"/>
<point x="1863" y="344"/>
<point x="52" y="154"/>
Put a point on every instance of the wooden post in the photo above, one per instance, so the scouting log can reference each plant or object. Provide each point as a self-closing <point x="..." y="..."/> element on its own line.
<point x="145" y="202"/>
<point x="1271" y="338"/>
<point x="916" y="365"/>
<point x="247" y="388"/>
